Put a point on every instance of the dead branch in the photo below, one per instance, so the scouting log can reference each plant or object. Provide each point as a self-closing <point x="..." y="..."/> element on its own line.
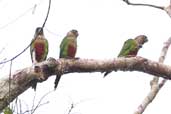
<point x="22" y="79"/>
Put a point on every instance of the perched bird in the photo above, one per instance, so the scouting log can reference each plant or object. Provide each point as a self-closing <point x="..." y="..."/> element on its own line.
<point x="68" y="49"/>
<point x="38" y="49"/>
<point x="131" y="47"/>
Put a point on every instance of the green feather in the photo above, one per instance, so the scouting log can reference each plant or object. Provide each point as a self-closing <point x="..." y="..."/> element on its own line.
<point x="68" y="40"/>
<point x="129" y="46"/>
<point x="31" y="49"/>
<point x="46" y="49"/>
<point x="64" y="48"/>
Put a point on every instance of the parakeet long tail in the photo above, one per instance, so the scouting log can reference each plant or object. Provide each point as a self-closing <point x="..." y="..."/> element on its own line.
<point x="106" y="73"/>
<point x="58" y="77"/>
<point x="34" y="85"/>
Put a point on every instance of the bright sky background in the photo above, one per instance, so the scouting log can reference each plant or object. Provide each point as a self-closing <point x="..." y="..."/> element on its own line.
<point x="103" y="26"/>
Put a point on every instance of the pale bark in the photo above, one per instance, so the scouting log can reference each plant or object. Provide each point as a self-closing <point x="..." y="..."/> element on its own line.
<point x="21" y="80"/>
<point x="155" y="85"/>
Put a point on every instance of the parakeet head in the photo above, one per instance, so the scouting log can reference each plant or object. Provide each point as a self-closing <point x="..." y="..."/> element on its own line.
<point x="73" y="33"/>
<point x="141" y="39"/>
<point x="39" y="31"/>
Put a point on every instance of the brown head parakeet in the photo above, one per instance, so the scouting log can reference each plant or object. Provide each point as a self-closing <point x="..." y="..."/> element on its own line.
<point x="68" y="49"/>
<point x="131" y="47"/>
<point x="38" y="48"/>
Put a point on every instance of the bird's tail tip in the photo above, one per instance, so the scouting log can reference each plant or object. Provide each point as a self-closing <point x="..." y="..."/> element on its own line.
<point x="106" y="73"/>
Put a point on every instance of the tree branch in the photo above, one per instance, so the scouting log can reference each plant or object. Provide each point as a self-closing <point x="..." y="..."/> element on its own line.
<point x="155" y="86"/>
<point x="21" y="80"/>
<point x="167" y="9"/>
<point x="141" y="4"/>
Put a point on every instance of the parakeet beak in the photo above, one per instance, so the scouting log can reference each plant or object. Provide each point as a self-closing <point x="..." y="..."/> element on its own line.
<point x="140" y="46"/>
<point x="75" y="32"/>
<point x="146" y="40"/>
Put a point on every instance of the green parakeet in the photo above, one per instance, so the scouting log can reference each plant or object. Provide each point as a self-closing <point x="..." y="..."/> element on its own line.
<point x="38" y="48"/>
<point x="68" y="49"/>
<point x="131" y="47"/>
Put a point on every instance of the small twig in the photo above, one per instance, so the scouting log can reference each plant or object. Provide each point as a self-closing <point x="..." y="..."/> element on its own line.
<point x="27" y="111"/>
<point x="39" y="103"/>
<point x="49" y="31"/>
<point x="20" y="106"/>
<point x="3" y="59"/>
<point x="10" y="82"/>
<point x="16" y="105"/>
<point x="47" y="14"/>
<point x="20" y="103"/>
<point x="2" y="50"/>
<point x="72" y="106"/>
<point x="141" y="4"/>
<point x="3" y="62"/>
<point x="155" y="87"/>
<point x="34" y="8"/>
<point x="33" y="101"/>
<point x="16" y="19"/>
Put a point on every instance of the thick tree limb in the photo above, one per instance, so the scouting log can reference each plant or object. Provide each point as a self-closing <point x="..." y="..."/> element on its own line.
<point x="21" y="79"/>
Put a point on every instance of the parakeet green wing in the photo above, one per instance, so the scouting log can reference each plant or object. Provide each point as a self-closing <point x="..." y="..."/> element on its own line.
<point x="63" y="48"/>
<point x="32" y="49"/>
<point x="46" y="49"/>
<point x="129" y="47"/>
